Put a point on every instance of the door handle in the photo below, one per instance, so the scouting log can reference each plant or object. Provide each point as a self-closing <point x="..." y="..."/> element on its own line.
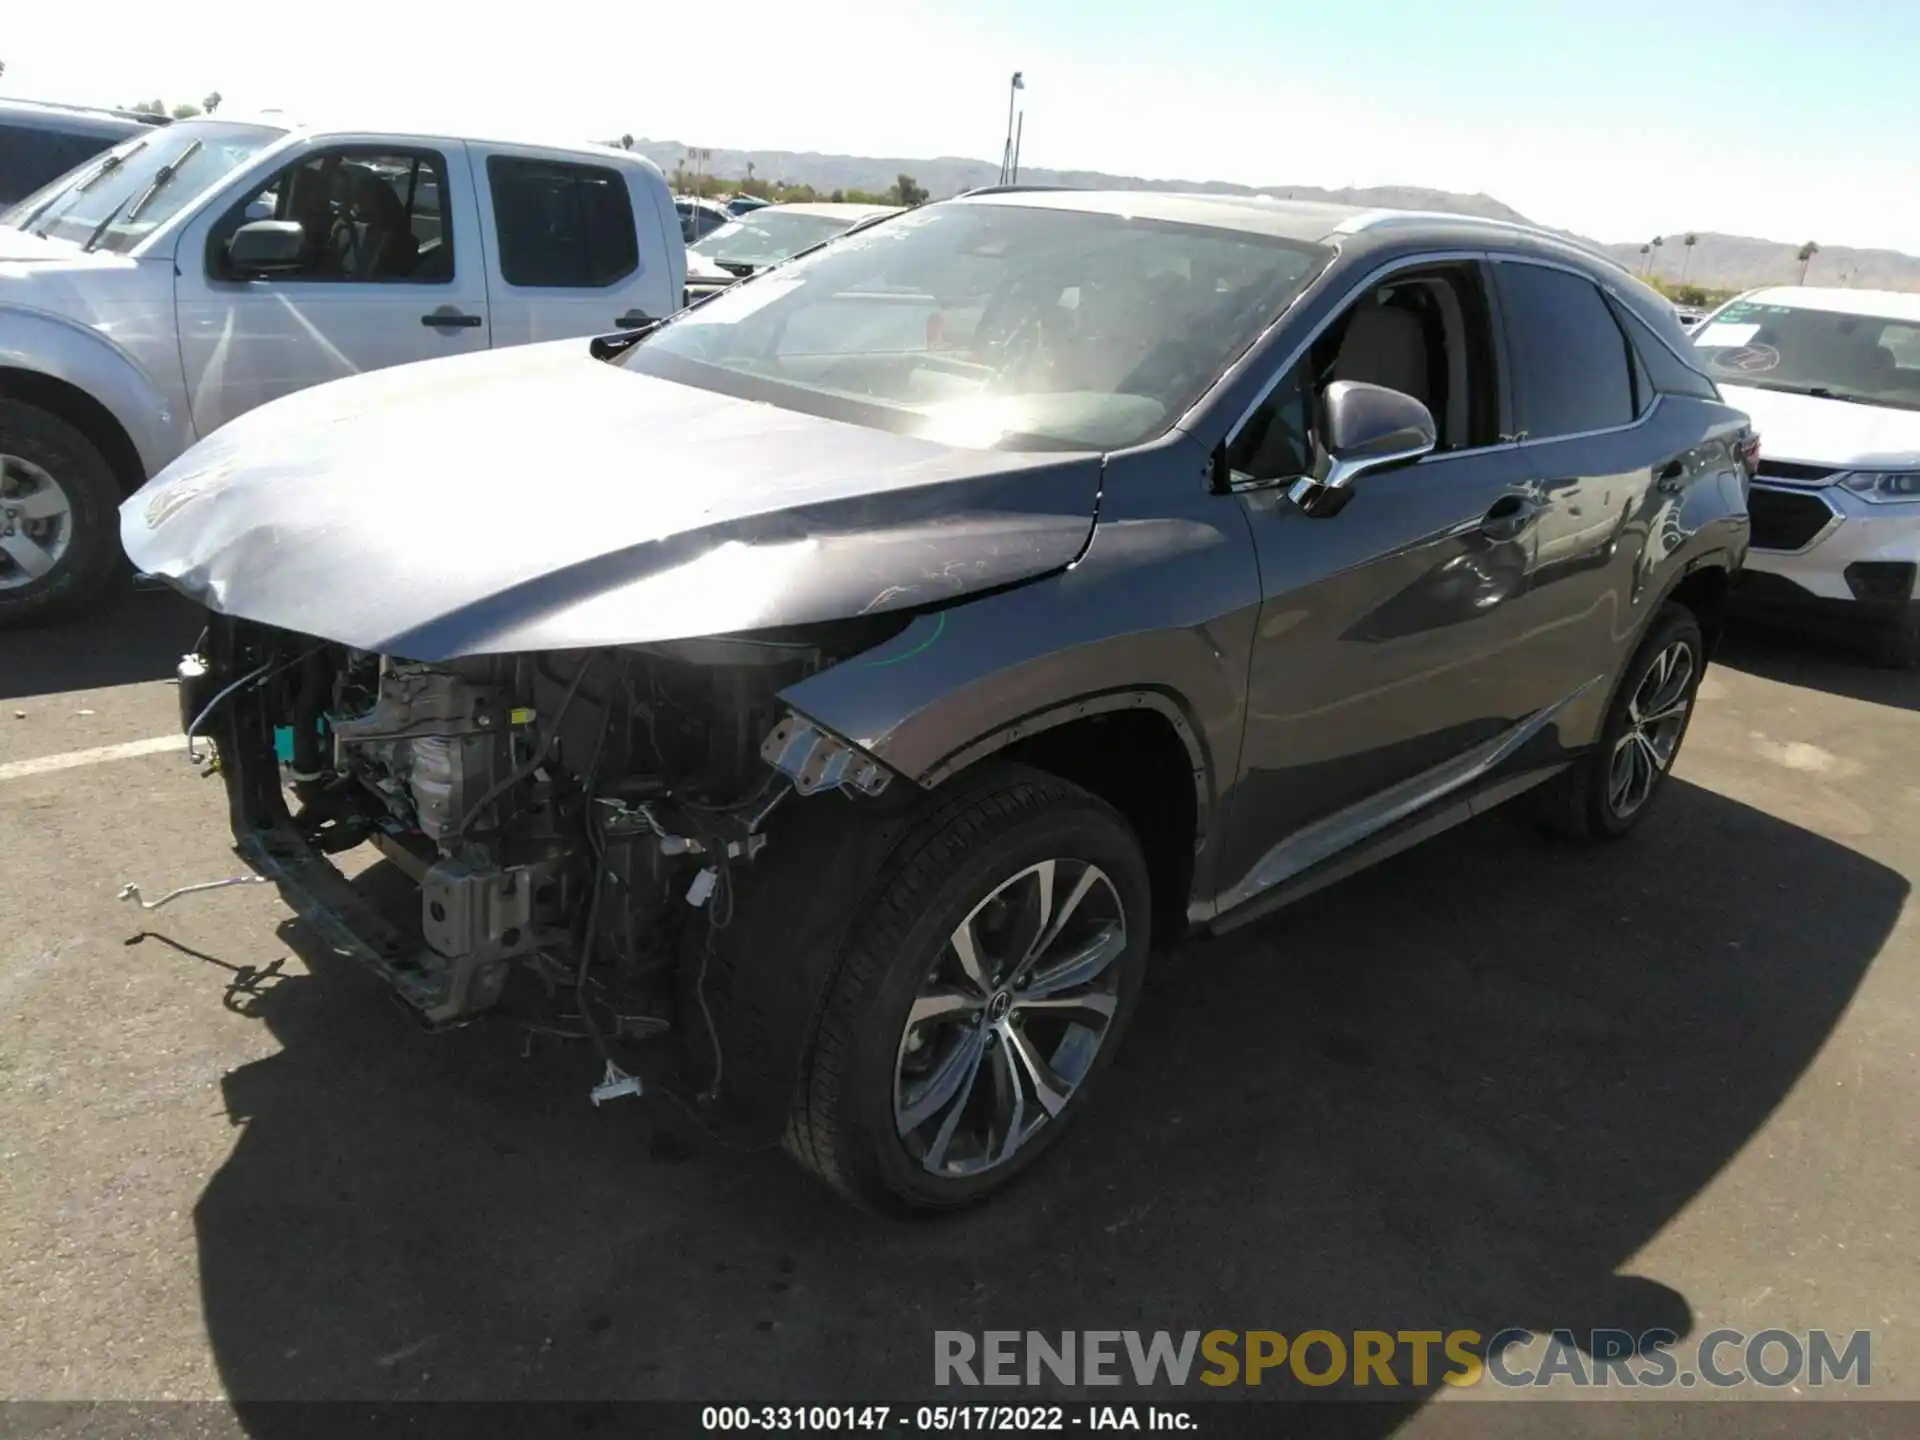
<point x="1508" y="516"/>
<point x="633" y="320"/>
<point x="452" y="319"/>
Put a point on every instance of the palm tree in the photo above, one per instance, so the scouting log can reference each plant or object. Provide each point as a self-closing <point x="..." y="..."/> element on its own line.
<point x="749" y="170"/>
<point x="1646" y="259"/>
<point x="1807" y="252"/>
<point x="1689" y="240"/>
<point x="626" y="142"/>
<point x="211" y="103"/>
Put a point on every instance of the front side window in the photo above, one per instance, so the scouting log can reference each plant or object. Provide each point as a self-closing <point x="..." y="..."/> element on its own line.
<point x="1568" y="356"/>
<point x="116" y="202"/>
<point x="562" y="226"/>
<point x="988" y="325"/>
<point x="1423" y="333"/>
<point x="366" y="216"/>
<point x="1806" y="351"/>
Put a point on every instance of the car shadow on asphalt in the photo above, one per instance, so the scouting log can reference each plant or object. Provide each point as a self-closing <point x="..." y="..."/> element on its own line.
<point x="1794" y="657"/>
<point x="128" y="637"/>
<point x="1458" y="1091"/>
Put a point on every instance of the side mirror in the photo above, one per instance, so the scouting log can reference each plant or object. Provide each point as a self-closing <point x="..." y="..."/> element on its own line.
<point x="266" y="247"/>
<point x="1369" y="427"/>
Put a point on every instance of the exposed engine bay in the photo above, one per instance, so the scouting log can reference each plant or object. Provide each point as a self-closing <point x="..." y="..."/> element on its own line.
<point x="575" y="815"/>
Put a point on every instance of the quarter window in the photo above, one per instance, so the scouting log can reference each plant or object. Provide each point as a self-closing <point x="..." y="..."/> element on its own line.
<point x="562" y="226"/>
<point x="1568" y="357"/>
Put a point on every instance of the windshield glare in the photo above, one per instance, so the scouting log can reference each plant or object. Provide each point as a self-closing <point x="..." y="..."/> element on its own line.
<point x="1799" y="349"/>
<point x="73" y="207"/>
<point x="993" y="325"/>
<point x="763" y="237"/>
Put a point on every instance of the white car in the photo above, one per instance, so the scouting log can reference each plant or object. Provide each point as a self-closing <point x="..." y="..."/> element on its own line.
<point x="1831" y="379"/>
<point x="202" y="268"/>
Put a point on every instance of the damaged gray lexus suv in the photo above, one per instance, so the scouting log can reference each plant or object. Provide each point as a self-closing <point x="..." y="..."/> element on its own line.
<point x="827" y="697"/>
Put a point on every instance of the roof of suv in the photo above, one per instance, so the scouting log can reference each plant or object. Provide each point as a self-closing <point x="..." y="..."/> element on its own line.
<point x="1313" y="221"/>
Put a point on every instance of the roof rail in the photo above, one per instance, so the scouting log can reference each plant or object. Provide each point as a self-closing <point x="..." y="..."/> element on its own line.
<point x="1009" y="189"/>
<point x="1379" y="219"/>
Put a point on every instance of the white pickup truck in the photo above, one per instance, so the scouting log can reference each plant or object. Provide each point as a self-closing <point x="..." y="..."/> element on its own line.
<point x="194" y="272"/>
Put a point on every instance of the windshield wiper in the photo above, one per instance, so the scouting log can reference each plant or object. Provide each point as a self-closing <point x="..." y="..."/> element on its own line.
<point x="1818" y="392"/>
<point x="154" y="186"/>
<point x="105" y="168"/>
<point x="161" y="177"/>
<point x="93" y="237"/>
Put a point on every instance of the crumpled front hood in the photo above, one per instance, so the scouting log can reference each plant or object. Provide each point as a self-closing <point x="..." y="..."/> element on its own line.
<point x="1809" y="430"/>
<point x="536" y="498"/>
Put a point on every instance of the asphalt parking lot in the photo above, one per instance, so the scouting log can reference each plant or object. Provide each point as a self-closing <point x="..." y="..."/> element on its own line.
<point x="1494" y="1082"/>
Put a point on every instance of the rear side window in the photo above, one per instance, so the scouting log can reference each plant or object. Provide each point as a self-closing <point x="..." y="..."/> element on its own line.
<point x="1571" y="372"/>
<point x="1664" y="371"/>
<point x="31" y="156"/>
<point x="562" y="226"/>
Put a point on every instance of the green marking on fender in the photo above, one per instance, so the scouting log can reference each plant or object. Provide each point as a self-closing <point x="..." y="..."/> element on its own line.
<point x="939" y="624"/>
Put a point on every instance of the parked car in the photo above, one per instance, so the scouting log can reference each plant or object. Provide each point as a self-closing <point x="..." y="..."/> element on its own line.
<point x="698" y="216"/>
<point x="862" y="712"/>
<point x="766" y="237"/>
<point x="196" y="271"/>
<point x="1690" y="315"/>
<point x="741" y="204"/>
<point x="1832" y="379"/>
<point x="40" y="142"/>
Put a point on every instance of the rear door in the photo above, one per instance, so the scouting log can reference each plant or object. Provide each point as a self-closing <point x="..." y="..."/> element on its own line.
<point x="1593" y="448"/>
<point x="392" y="272"/>
<point x="569" y="254"/>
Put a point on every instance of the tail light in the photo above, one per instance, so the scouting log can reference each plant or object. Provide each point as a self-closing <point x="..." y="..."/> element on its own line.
<point x="1748" y="449"/>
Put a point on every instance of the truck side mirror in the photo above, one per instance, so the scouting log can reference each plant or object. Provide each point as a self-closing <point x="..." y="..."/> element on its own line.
<point x="266" y="247"/>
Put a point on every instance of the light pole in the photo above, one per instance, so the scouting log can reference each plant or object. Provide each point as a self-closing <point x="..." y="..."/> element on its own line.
<point x="1006" y="151"/>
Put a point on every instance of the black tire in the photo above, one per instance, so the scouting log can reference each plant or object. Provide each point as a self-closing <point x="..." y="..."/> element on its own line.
<point x="1580" y="803"/>
<point x="997" y="826"/>
<point x="92" y="492"/>
<point x="1897" y="647"/>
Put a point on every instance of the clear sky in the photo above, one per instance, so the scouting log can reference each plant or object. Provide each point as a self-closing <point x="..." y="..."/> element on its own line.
<point x="1788" y="119"/>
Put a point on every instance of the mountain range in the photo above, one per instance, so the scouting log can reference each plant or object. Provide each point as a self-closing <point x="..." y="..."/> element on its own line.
<point x="1716" y="261"/>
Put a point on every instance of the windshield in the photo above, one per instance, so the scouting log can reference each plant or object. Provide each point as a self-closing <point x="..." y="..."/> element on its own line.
<point x="99" y="203"/>
<point x="1864" y="358"/>
<point x="993" y="325"/>
<point x="764" y="237"/>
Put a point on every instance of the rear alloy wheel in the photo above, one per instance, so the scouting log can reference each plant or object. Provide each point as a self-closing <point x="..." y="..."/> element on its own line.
<point x="1608" y="791"/>
<point x="58" y="538"/>
<point x="982" y="993"/>
<point x="1656" y="715"/>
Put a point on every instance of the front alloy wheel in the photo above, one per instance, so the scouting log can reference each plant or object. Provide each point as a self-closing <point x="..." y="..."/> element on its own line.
<point x="36" y="522"/>
<point x="1010" y="1017"/>
<point x="984" y="985"/>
